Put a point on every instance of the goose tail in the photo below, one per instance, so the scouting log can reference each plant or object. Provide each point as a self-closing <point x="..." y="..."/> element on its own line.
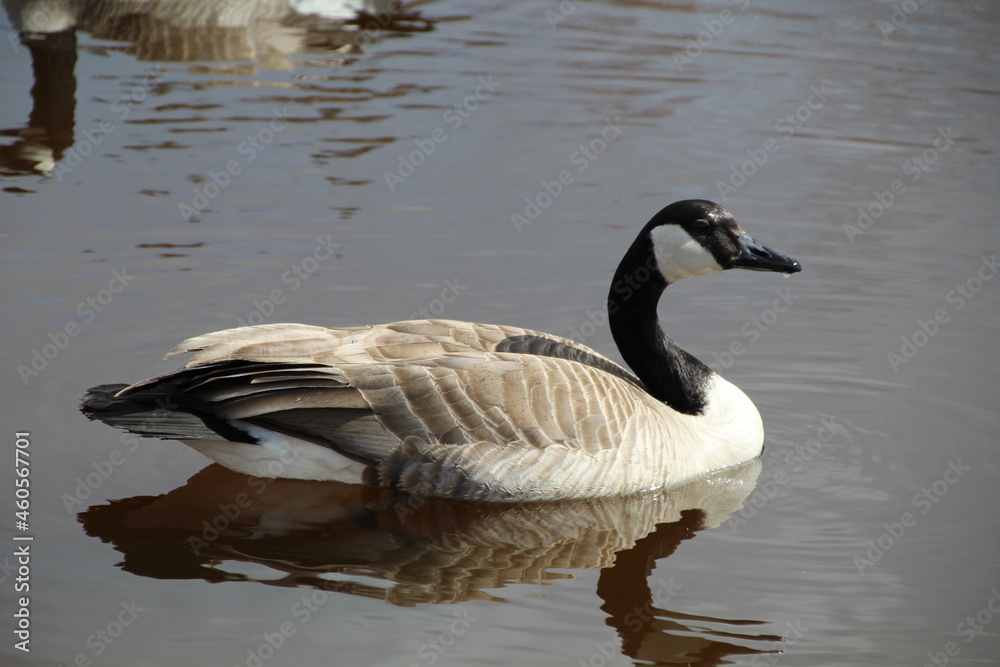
<point x="144" y="414"/>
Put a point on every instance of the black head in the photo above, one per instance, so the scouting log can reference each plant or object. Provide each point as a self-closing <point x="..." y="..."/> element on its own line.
<point x="697" y="237"/>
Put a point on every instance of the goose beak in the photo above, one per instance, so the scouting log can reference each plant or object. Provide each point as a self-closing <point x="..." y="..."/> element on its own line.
<point x="758" y="257"/>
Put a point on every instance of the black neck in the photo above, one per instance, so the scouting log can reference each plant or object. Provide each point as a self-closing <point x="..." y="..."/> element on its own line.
<point x="669" y="373"/>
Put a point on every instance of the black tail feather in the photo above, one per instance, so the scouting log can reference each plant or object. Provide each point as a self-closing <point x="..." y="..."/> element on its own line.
<point x="157" y="413"/>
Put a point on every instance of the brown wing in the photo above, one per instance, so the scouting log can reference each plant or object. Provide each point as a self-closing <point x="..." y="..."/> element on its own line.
<point x="427" y="402"/>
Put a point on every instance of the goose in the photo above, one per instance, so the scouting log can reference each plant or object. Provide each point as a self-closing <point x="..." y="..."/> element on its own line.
<point x="449" y="409"/>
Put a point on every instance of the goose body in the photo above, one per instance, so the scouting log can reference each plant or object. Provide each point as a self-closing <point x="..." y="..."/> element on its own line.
<point x="467" y="410"/>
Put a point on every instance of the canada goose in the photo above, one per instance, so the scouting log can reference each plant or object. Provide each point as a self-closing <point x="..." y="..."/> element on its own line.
<point x="466" y="410"/>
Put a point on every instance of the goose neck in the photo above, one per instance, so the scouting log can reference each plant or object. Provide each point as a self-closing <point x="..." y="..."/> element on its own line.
<point x="669" y="373"/>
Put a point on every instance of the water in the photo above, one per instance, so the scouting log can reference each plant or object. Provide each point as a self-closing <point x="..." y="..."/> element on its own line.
<point x="265" y="168"/>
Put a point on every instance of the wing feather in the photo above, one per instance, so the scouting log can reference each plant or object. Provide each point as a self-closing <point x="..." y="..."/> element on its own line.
<point x="430" y="403"/>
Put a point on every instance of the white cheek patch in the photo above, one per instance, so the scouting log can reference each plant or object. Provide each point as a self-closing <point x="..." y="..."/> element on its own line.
<point x="680" y="256"/>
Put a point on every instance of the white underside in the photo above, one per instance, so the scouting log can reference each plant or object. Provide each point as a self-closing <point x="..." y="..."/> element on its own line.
<point x="729" y="432"/>
<point x="281" y="456"/>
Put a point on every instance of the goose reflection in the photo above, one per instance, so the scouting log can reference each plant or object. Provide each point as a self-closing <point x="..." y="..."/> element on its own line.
<point x="408" y="551"/>
<point x="246" y="33"/>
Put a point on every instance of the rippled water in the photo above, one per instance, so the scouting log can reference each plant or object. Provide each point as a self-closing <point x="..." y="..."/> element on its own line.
<point x="170" y="169"/>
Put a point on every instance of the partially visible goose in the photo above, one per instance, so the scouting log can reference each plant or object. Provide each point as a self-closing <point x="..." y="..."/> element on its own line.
<point x="465" y="410"/>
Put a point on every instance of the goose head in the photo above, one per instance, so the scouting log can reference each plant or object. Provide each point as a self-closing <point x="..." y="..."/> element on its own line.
<point x="698" y="237"/>
<point x="688" y="238"/>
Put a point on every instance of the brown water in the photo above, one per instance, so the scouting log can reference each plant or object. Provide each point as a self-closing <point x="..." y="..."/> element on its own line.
<point x="169" y="171"/>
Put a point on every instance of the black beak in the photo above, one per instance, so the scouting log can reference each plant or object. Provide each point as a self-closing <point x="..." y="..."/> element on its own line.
<point x="758" y="257"/>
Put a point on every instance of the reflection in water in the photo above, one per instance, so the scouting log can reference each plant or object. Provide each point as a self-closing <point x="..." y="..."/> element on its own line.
<point x="49" y="132"/>
<point x="263" y="32"/>
<point x="651" y="633"/>
<point x="352" y="539"/>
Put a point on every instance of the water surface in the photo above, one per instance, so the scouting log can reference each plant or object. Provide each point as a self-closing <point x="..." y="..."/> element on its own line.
<point x="169" y="170"/>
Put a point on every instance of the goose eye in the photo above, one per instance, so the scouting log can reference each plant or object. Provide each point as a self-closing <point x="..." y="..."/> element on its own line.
<point x="699" y="225"/>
